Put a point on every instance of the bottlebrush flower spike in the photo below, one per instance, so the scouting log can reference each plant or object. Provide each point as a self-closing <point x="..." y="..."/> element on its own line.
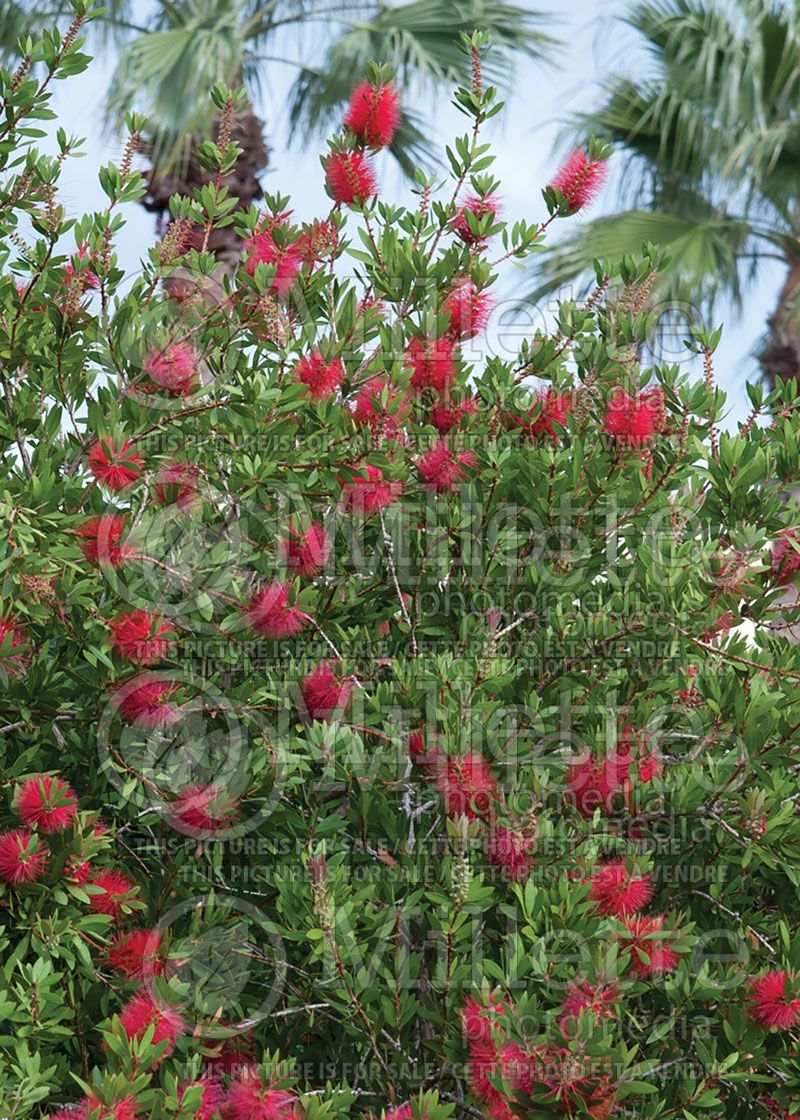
<point x="607" y="782"/>
<point x="115" y="466"/>
<point x="478" y="208"/>
<point x="651" y="955"/>
<point x="786" y="556"/>
<point x="318" y="240"/>
<point x="350" y="177"/>
<point x="467" y="786"/>
<point x="126" y="1108"/>
<point x="101" y="540"/>
<point x="581" y="996"/>
<point x="23" y="857"/>
<point x="441" y="469"/>
<point x="325" y="692"/>
<point x="402" y="1112"/>
<point x="481" y="1017"/>
<point x="176" y="484"/>
<point x="773" y="1001"/>
<point x="322" y="377"/>
<point x="270" y="615"/>
<point x="619" y="892"/>
<point x="146" y="701"/>
<point x="141" y="637"/>
<point x="200" y="810"/>
<point x="143" y="1011"/>
<point x="173" y="369"/>
<point x="47" y="804"/>
<point x="371" y="412"/>
<point x="306" y="552"/>
<point x="446" y="417"/>
<point x="14" y="659"/>
<point x="428" y="759"/>
<point x="249" y="1098"/>
<point x="634" y="421"/>
<point x="114" y="889"/>
<point x="432" y="364"/>
<point x="468" y="309"/>
<point x="287" y="257"/>
<point x="510" y="850"/>
<point x="374" y="113"/>
<point x="231" y="1054"/>
<point x="369" y="493"/>
<point x="580" y="179"/>
<point x="136" y="955"/>
<point x="550" y="408"/>
<point x="212" y="1097"/>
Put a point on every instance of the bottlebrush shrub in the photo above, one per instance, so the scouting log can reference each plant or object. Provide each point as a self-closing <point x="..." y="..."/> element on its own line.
<point x="389" y="726"/>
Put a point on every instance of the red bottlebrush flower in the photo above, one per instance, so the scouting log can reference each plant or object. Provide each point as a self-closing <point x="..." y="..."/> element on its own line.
<point x="307" y="552"/>
<point x="270" y="615"/>
<point x="604" y="783"/>
<point x="126" y="1108"/>
<point x="322" y="377"/>
<point x="46" y="803"/>
<point x="112" y="466"/>
<point x="318" y="240"/>
<point x="469" y="309"/>
<point x="619" y="892"/>
<point x="231" y="1054"/>
<point x="579" y="179"/>
<point x="478" y="208"/>
<point x="634" y="421"/>
<point x="143" y="1011"/>
<point x="114" y="889"/>
<point x="176" y="484"/>
<point x="23" y="857"/>
<point x="374" y="113"/>
<point x="650" y="955"/>
<point x="510" y="850"/>
<point x="480" y="1019"/>
<point x="371" y="412"/>
<point x="467" y="786"/>
<point x="402" y="1112"/>
<point x="77" y="870"/>
<point x="200" y="810"/>
<point x="441" y="469"/>
<point x="13" y="659"/>
<point x="724" y="623"/>
<point x="146" y="702"/>
<point x="101" y="540"/>
<point x="262" y="248"/>
<point x="483" y="1068"/>
<point x="369" y="493"/>
<point x="549" y="409"/>
<point x="583" y="996"/>
<point x="432" y="364"/>
<point x="773" y="1001"/>
<point x="428" y="759"/>
<point x="350" y="177"/>
<point x="445" y="417"/>
<point x="324" y="692"/>
<point x="212" y="1097"/>
<point x="135" y="955"/>
<point x="250" y="1099"/>
<point x="141" y="637"/>
<point x="173" y="369"/>
<point x="786" y="556"/>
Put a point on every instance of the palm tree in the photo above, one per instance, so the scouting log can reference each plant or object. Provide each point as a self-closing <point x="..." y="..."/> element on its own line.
<point x="173" y="51"/>
<point x="710" y="136"/>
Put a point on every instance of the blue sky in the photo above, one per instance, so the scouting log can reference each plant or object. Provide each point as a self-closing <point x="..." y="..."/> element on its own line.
<point x="523" y="140"/>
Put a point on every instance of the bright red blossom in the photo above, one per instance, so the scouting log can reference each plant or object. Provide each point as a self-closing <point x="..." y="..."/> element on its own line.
<point x="23" y="857"/>
<point x="511" y="849"/>
<point x="369" y="493"/>
<point x="402" y="1112"/>
<point x="773" y="1002"/>
<point x="114" y="466"/>
<point x="432" y="364"/>
<point x="374" y="113"/>
<point x="651" y="954"/>
<point x="141" y="637"/>
<point x="480" y="1018"/>
<point x="445" y="417"/>
<point x="550" y="408"/>
<point x="14" y="660"/>
<point x="598" y="998"/>
<point x="146" y="701"/>
<point x="634" y="421"/>
<point x="48" y="804"/>
<point x="350" y="177"/>
<point x="468" y="308"/>
<point x="176" y="483"/>
<point x="101" y="540"/>
<point x="786" y="556"/>
<point x="306" y="552"/>
<point x="467" y="785"/>
<point x="199" y="810"/>
<point x="619" y="892"/>
<point x="174" y="369"/>
<point x="379" y="407"/>
<point x="263" y="248"/>
<point x="322" y="377"/>
<point x="441" y="469"/>
<point x="212" y="1097"/>
<point x="325" y="692"/>
<point x="250" y="1099"/>
<point x="580" y="179"/>
<point x="143" y="1011"/>
<point x="126" y="1108"/>
<point x="269" y="612"/>
<point x="478" y="208"/>
<point x="135" y="955"/>
<point x="114" y="889"/>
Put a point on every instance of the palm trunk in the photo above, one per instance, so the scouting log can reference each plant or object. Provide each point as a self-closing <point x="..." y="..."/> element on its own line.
<point x="780" y="358"/>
